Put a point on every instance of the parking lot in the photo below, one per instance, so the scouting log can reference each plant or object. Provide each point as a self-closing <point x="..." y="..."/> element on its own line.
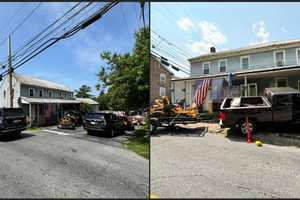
<point x="54" y="163"/>
<point x="190" y="163"/>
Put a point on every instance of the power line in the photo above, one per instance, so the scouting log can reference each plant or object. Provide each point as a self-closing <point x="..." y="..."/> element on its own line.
<point x="82" y="25"/>
<point x="55" y="29"/>
<point x="125" y="20"/>
<point x="13" y="16"/>
<point x="45" y="29"/>
<point x="171" y="44"/>
<point x="177" y="67"/>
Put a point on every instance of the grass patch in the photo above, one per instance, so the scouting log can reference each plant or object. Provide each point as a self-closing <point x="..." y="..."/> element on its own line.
<point x="140" y="143"/>
<point x="33" y="129"/>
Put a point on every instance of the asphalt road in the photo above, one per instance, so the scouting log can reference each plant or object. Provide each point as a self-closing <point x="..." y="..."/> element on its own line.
<point x="213" y="166"/>
<point x="49" y="165"/>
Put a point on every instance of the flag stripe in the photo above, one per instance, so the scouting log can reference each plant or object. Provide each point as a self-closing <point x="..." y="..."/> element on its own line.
<point x="201" y="92"/>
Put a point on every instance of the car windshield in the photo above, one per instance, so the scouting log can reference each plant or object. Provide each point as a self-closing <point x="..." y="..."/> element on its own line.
<point x="95" y="115"/>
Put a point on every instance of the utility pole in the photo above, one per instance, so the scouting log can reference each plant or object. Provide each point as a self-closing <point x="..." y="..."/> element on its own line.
<point x="10" y="73"/>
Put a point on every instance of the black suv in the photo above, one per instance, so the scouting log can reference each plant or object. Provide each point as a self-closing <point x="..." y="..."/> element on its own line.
<point x="12" y="120"/>
<point x="104" y="122"/>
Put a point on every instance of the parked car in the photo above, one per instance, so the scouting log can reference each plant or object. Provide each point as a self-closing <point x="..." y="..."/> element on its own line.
<point x="105" y="122"/>
<point x="278" y="106"/>
<point x="12" y="121"/>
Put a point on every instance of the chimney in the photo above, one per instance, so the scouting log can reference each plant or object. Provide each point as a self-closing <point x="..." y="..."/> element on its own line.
<point x="212" y="49"/>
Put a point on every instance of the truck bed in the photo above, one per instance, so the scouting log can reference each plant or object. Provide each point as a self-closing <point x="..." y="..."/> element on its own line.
<point x="245" y="103"/>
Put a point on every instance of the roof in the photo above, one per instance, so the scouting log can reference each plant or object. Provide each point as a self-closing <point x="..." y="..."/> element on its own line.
<point x="282" y="90"/>
<point x="29" y="80"/>
<point x="246" y="50"/>
<point x="291" y="68"/>
<point x="28" y="100"/>
<point x="87" y="100"/>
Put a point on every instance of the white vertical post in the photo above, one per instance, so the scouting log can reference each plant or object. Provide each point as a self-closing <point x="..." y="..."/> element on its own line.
<point x="246" y="88"/>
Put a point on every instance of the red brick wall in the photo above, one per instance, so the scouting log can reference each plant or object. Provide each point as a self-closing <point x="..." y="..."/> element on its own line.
<point x="156" y="69"/>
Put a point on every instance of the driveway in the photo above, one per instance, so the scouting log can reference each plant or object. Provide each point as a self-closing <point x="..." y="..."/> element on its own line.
<point x="186" y="165"/>
<point x="42" y="164"/>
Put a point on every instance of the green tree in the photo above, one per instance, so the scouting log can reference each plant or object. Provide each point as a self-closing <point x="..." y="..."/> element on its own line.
<point x="83" y="92"/>
<point x="125" y="79"/>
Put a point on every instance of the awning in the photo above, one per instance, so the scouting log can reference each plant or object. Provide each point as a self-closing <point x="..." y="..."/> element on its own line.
<point x="27" y="100"/>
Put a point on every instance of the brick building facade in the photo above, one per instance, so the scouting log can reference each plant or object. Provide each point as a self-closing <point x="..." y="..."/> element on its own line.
<point x="160" y="79"/>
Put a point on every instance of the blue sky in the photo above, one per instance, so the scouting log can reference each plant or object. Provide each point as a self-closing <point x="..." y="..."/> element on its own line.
<point x="74" y="61"/>
<point x="194" y="27"/>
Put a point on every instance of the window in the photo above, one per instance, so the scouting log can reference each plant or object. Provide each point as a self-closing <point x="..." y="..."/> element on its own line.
<point x="50" y="94"/>
<point x="298" y="56"/>
<point x="282" y="101"/>
<point x="245" y="62"/>
<point x="41" y="93"/>
<point x="65" y="95"/>
<point x="31" y="92"/>
<point x="223" y="65"/>
<point x="162" y="91"/>
<point x="4" y="94"/>
<point x="281" y="82"/>
<point x="162" y="78"/>
<point x="59" y="93"/>
<point x="206" y="67"/>
<point x="279" y="58"/>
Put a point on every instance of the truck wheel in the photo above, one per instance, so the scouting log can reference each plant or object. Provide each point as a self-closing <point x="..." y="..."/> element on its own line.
<point x="243" y="126"/>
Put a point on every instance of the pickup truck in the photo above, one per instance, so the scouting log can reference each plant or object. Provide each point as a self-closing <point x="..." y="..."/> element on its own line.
<point x="12" y="121"/>
<point x="278" y="105"/>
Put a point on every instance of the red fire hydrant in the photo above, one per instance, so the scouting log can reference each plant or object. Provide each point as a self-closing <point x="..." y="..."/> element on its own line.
<point x="248" y="131"/>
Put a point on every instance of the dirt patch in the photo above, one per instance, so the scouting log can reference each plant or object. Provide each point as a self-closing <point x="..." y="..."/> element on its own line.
<point x="211" y="127"/>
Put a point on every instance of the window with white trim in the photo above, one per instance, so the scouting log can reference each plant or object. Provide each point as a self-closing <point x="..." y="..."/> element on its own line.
<point x="50" y="94"/>
<point x="162" y="91"/>
<point x="298" y="56"/>
<point x="206" y="67"/>
<point x="223" y="65"/>
<point x="281" y="82"/>
<point x="31" y="92"/>
<point x="279" y="58"/>
<point x="162" y="78"/>
<point x="245" y="62"/>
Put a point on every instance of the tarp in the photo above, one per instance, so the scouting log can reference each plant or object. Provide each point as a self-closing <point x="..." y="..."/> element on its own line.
<point x="217" y="93"/>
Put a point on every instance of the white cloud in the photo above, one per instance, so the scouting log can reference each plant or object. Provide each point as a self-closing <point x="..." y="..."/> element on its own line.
<point x="211" y="36"/>
<point x="260" y="32"/>
<point x="185" y="23"/>
<point x="283" y="29"/>
<point x="211" y="33"/>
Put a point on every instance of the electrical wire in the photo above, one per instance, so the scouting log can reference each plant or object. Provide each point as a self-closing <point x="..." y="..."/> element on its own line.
<point x="83" y="24"/>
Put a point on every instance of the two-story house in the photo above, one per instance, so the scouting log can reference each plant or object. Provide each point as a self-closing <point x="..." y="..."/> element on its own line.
<point x="252" y="69"/>
<point x="160" y="79"/>
<point x="44" y="102"/>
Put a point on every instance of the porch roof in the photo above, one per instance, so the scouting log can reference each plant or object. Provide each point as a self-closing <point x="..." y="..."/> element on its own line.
<point x="28" y="100"/>
<point x="252" y="73"/>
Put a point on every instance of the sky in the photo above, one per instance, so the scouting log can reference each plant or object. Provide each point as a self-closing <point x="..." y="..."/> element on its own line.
<point x="76" y="60"/>
<point x="196" y="26"/>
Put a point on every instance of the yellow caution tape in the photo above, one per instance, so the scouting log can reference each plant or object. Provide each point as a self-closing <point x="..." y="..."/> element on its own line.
<point x="258" y="143"/>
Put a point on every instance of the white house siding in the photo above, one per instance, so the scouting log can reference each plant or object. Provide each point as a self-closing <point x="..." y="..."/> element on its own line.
<point x="5" y="101"/>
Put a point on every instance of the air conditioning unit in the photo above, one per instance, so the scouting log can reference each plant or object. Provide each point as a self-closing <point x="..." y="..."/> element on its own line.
<point x="279" y="63"/>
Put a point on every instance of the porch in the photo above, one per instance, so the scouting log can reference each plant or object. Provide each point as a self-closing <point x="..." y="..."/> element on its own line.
<point x="46" y="112"/>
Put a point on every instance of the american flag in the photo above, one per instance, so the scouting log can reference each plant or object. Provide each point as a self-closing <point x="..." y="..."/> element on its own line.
<point x="201" y="92"/>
